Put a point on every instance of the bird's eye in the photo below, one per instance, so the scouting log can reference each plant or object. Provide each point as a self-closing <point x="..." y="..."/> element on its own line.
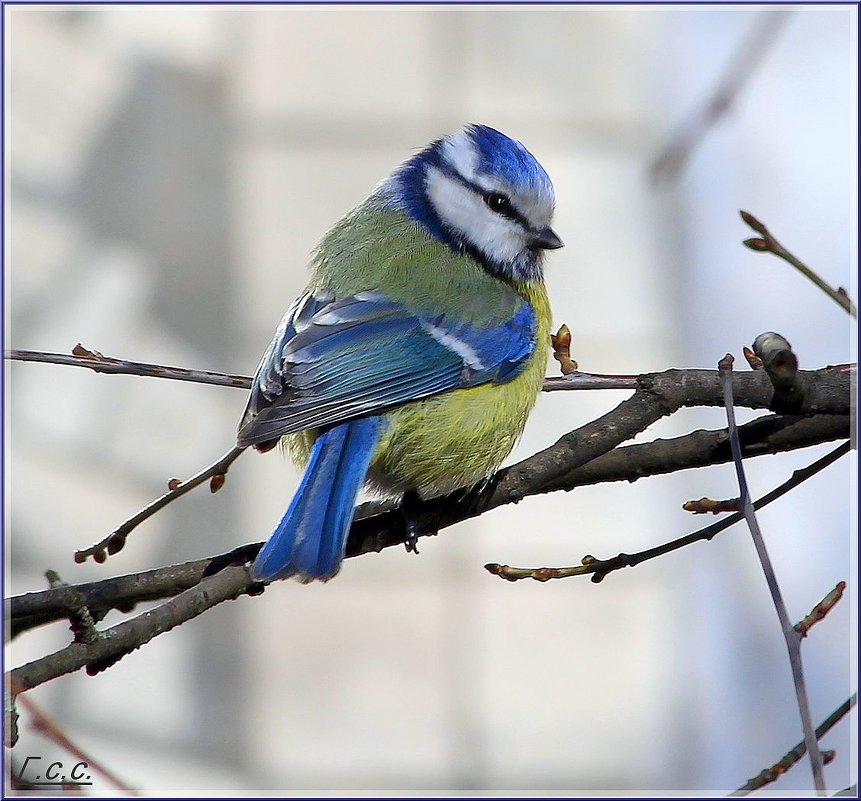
<point x="498" y="202"/>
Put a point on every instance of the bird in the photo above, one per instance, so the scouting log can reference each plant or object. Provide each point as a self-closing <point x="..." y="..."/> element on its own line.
<point x="411" y="361"/>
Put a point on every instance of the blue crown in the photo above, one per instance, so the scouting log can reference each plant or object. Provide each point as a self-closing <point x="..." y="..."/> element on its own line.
<point x="506" y="158"/>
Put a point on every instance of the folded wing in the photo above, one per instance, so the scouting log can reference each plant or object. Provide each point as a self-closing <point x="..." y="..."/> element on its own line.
<point x="335" y="360"/>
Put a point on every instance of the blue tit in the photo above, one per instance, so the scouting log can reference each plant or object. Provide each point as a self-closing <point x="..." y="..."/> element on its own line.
<point x="410" y="363"/>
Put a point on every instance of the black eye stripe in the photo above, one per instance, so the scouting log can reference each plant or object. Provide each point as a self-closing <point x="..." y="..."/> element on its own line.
<point x="510" y="211"/>
<point x="505" y="208"/>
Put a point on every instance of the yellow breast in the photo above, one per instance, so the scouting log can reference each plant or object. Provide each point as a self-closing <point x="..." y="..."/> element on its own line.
<point x="458" y="438"/>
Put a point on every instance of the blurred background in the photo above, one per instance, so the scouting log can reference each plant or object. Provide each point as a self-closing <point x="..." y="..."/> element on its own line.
<point x="168" y="170"/>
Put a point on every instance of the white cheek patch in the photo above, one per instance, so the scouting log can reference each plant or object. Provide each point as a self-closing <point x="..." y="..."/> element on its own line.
<point x="460" y="208"/>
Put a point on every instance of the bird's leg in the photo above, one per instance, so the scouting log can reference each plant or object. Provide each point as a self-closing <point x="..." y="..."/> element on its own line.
<point x="408" y="510"/>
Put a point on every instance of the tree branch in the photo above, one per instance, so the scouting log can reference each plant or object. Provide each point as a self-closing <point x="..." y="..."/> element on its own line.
<point x="656" y="395"/>
<point x="600" y="568"/>
<point x="117" y="641"/>
<point x="580" y="457"/>
<point x="93" y="360"/>
<point x="768" y="244"/>
<point x="116" y="540"/>
<point x="659" y="394"/>
<point x="375" y="529"/>
<point x="791" y="757"/>
<point x="791" y="635"/>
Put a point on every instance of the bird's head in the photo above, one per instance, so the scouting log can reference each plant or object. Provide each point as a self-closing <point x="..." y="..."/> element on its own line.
<point x="482" y="193"/>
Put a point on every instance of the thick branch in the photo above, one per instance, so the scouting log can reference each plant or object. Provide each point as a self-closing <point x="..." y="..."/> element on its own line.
<point x="824" y="391"/>
<point x="660" y="394"/>
<point x="768" y="434"/>
<point x="598" y="569"/>
<point x="125" y="637"/>
<point x="656" y="395"/>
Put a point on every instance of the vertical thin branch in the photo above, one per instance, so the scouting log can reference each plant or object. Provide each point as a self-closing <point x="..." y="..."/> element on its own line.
<point x="790" y="634"/>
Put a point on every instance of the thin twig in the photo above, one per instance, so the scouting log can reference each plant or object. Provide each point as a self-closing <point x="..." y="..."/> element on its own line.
<point x="116" y="540"/>
<point x="220" y="578"/>
<point x="50" y="729"/>
<point x="656" y="396"/>
<point x="768" y="244"/>
<point x="768" y="775"/>
<point x="105" y="364"/>
<point x="628" y="463"/>
<point x="793" y="639"/>
<point x="83" y="357"/>
<point x="579" y="380"/>
<point x="600" y="568"/>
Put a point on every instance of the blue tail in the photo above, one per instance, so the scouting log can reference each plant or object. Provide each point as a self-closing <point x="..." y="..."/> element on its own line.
<point x="309" y="541"/>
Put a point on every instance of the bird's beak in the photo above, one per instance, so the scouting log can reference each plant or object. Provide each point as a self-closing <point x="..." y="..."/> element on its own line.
<point x="547" y="239"/>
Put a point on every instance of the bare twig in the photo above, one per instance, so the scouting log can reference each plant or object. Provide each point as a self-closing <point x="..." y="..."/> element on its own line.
<point x="768" y="244"/>
<point x="793" y="639"/>
<point x="629" y="463"/>
<point x="600" y="568"/>
<point x="791" y="757"/>
<point x="579" y="380"/>
<point x="116" y="540"/>
<point x="93" y="360"/>
<point x="104" y="364"/>
<point x="114" y="643"/>
<point x="741" y="68"/>
<point x="657" y="395"/>
<point x="50" y="729"/>
<point x="821" y="609"/>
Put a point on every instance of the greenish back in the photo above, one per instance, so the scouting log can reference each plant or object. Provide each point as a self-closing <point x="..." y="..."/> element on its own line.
<point x="373" y="248"/>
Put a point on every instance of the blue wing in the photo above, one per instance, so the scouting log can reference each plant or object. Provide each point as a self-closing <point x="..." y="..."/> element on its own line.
<point x="335" y="360"/>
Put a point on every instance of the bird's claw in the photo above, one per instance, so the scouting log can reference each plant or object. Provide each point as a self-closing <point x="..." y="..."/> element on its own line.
<point x="412" y="530"/>
<point x="412" y="540"/>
